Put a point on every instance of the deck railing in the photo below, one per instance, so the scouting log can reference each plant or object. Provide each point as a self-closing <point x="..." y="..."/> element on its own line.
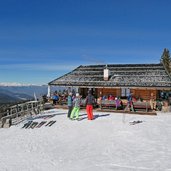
<point x="17" y="112"/>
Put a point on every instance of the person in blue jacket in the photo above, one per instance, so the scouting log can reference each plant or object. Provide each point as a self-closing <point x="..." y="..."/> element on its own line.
<point x="70" y="104"/>
<point x="55" y="98"/>
<point x="129" y="103"/>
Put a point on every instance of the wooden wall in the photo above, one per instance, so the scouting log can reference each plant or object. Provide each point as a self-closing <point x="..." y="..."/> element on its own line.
<point x="108" y="91"/>
<point x="137" y="93"/>
<point x="144" y="93"/>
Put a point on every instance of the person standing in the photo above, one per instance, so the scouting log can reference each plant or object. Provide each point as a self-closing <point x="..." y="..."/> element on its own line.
<point x="55" y="98"/>
<point x="70" y="104"/>
<point x="129" y="103"/>
<point x="89" y="105"/>
<point x="117" y="103"/>
<point x="152" y="102"/>
<point x="76" y="109"/>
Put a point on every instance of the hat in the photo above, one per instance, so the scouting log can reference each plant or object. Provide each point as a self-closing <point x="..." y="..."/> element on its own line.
<point x="77" y="94"/>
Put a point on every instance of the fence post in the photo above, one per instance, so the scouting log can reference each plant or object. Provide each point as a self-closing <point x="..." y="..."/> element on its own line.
<point x="146" y="107"/>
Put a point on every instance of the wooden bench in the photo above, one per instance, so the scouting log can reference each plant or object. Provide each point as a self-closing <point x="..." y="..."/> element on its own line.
<point x="108" y="104"/>
<point x="142" y="106"/>
<point x="137" y="105"/>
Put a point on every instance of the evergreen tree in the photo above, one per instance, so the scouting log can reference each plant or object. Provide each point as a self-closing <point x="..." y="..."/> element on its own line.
<point x="165" y="58"/>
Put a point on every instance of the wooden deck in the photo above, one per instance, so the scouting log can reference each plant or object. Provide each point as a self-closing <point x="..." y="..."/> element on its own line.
<point x="127" y="112"/>
<point x="112" y="110"/>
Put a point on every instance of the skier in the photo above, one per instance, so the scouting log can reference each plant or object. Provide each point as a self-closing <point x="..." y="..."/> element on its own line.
<point x="76" y="109"/>
<point x="70" y="103"/>
<point x="89" y="105"/>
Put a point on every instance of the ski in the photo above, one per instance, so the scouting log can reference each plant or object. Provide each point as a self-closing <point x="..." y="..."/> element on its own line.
<point x="26" y="125"/>
<point x="33" y="125"/>
<point x="40" y="124"/>
<point x="48" y="123"/>
<point x="51" y="123"/>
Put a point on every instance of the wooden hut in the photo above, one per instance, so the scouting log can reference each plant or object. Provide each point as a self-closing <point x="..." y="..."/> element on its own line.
<point x="119" y="79"/>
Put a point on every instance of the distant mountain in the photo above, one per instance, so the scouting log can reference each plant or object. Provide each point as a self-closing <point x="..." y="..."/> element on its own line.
<point x="14" y="92"/>
<point x="14" y="84"/>
<point x="11" y="94"/>
<point x="18" y="92"/>
<point x="29" y="90"/>
<point x="10" y="97"/>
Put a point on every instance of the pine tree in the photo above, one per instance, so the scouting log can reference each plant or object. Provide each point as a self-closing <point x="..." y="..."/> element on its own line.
<point x="166" y="60"/>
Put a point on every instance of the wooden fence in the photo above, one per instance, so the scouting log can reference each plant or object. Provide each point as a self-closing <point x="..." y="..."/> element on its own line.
<point x="18" y="112"/>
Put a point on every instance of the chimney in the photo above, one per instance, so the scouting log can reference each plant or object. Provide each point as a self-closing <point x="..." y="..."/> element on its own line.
<point x="106" y="74"/>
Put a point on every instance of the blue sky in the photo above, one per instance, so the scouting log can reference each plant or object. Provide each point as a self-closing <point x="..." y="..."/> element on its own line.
<point x="41" y="40"/>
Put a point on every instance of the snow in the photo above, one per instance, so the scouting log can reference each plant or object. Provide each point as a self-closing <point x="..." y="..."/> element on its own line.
<point x="107" y="143"/>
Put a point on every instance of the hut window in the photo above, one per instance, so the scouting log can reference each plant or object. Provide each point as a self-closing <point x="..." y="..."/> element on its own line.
<point x="125" y="92"/>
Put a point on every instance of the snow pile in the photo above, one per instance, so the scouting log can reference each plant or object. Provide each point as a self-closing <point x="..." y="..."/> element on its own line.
<point x="109" y="142"/>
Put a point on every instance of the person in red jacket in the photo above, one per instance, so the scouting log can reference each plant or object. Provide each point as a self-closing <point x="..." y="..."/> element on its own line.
<point x="89" y="105"/>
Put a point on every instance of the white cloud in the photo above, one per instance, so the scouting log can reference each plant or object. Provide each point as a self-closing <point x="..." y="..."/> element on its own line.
<point x="39" y="67"/>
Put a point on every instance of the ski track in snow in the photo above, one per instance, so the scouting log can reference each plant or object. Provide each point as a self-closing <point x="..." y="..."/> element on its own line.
<point x="104" y="144"/>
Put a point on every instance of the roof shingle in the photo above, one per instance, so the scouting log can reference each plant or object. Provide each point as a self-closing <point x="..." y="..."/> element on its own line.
<point x="121" y="75"/>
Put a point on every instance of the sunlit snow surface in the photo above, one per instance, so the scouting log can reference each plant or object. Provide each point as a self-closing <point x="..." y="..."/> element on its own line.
<point x="107" y="143"/>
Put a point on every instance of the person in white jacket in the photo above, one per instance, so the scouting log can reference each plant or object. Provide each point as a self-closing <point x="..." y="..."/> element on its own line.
<point x="76" y="109"/>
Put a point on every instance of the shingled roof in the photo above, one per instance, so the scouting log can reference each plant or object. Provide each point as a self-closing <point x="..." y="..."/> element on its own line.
<point x="121" y="75"/>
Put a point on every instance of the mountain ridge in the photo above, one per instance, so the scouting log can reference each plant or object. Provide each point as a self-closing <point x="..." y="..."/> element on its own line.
<point x="12" y="94"/>
<point x="24" y="92"/>
<point x="15" y="84"/>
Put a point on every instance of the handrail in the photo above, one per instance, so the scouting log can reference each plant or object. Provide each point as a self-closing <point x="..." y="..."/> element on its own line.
<point x="20" y="110"/>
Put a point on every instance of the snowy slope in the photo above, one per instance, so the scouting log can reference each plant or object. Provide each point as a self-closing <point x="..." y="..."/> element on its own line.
<point x="105" y="144"/>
